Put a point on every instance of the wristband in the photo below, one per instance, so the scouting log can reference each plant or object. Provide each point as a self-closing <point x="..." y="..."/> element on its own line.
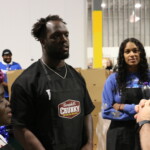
<point x="141" y="123"/>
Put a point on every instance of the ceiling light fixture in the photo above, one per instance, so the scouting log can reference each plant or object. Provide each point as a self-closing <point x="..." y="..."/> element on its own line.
<point x="103" y="5"/>
<point x="137" y="5"/>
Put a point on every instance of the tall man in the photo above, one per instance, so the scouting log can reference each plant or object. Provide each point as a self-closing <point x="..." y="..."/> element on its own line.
<point x="7" y="65"/>
<point x="50" y="103"/>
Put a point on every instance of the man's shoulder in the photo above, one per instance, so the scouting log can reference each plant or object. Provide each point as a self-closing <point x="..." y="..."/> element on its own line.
<point x="29" y="73"/>
<point x="15" y="63"/>
<point x="2" y="64"/>
<point x="74" y="70"/>
<point x="33" y="68"/>
<point x="76" y="73"/>
<point x="70" y="67"/>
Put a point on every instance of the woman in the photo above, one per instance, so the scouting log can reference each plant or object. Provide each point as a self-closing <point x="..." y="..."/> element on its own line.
<point x="5" y="116"/>
<point x="122" y="92"/>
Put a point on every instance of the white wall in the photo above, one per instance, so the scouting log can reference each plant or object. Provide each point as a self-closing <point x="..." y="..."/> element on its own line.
<point x="18" y="16"/>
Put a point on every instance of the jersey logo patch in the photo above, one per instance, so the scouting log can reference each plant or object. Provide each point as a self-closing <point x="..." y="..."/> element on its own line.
<point x="69" y="109"/>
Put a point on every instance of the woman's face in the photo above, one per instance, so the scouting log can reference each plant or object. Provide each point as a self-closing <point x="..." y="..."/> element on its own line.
<point x="5" y="111"/>
<point x="131" y="54"/>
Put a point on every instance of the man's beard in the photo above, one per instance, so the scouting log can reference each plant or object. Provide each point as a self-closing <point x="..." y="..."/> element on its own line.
<point x="7" y="61"/>
<point x="58" y="55"/>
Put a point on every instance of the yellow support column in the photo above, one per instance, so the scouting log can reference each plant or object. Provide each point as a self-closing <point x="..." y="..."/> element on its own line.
<point x="97" y="38"/>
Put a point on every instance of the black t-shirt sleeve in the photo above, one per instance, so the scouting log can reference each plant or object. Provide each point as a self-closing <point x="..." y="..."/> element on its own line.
<point x="22" y="106"/>
<point x="89" y="106"/>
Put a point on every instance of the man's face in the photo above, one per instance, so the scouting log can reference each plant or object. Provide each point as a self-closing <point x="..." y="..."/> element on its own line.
<point x="5" y="111"/>
<point x="56" y="43"/>
<point x="7" y="58"/>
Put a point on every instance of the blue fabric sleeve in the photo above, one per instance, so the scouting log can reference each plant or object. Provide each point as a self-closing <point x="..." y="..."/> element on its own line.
<point x="129" y="108"/>
<point x="109" y="97"/>
<point x="19" y="67"/>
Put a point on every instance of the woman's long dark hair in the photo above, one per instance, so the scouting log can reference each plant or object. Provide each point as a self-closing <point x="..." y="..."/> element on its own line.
<point x="122" y="66"/>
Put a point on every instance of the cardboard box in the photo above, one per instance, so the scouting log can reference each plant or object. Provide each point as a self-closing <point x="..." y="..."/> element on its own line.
<point x="78" y="70"/>
<point x="97" y="108"/>
<point x="95" y="80"/>
<point x="94" y="77"/>
<point x="11" y="76"/>
<point x="95" y="93"/>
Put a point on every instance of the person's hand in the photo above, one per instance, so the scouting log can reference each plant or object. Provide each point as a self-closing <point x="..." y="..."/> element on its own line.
<point x="88" y="146"/>
<point x="143" y="111"/>
<point x="136" y="108"/>
<point x="140" y="105"/>
<point x="118" y="106"/>
<point x="142" y="102"/>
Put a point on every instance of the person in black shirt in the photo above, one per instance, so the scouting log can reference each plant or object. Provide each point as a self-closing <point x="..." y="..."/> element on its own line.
<point x="50" y="103"/>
